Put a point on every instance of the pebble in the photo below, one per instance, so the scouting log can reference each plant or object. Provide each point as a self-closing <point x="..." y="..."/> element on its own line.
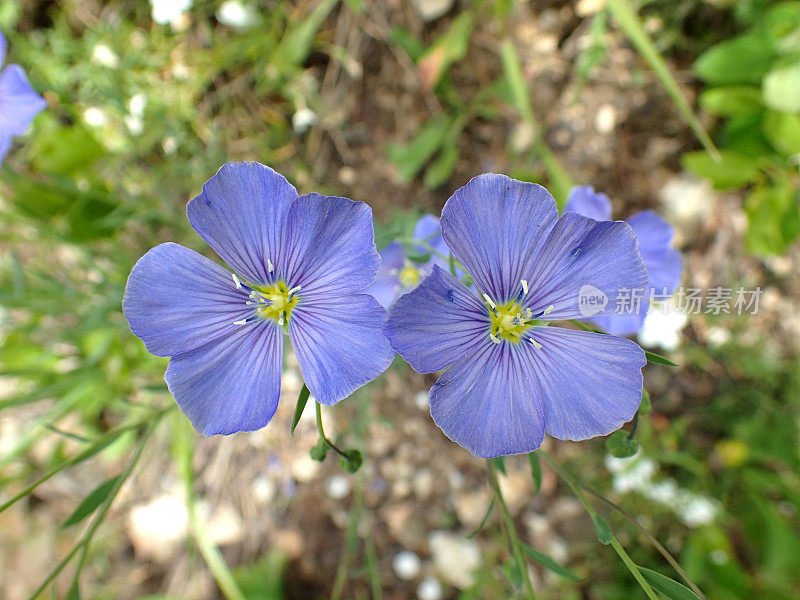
<point x="423" y="484"/>
<point x="337" y="487"/>
<point x="430" y="589"/>
<point x="158" y="527"/>
<point x="606" y="119"/>
<point x="455" y="557"/>
<point x="263" y="489"/>
<point x="406" y="565"/>
<point x="430" y="10"/>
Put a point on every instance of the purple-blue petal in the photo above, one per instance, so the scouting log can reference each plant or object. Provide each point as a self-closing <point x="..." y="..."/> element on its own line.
<point x="19" y="102"/>
<point x="328" y="246"/>
<point x="3" y="48"/>
<point x="240" y="213"/>
<point x="438" y="323"/>
<point x="231" y="384"/>
<point x="177" y="300"/>
<point x="585" y="201"/>
<point x="339" y="344"/>
<point x="387" y="287"/>
<point x="487" y="403"/>
<point x="496" y="227"/>
<point x="663" y="262"/>
<point x="590" y="383"/>
<point x="627" y="323"/>
<point x="583" y="252"/>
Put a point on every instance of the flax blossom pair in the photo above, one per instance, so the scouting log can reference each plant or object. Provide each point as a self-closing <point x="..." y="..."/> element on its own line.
<point x="301" y="266"/>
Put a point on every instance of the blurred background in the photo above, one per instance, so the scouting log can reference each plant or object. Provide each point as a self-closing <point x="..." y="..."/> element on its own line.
<point x="687" y="107"/>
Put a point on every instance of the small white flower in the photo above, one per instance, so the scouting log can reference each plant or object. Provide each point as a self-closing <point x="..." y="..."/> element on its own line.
<point x="104" y="56"/>
<point x="303" y="119"/>
<point x="406" y="565"/>
<point x="663" y="329"/>
<point x="167" y="12"/>
<point x="137" y="104"/>
<point x="95" y="117"/>
<point x="134" y="124"/>
<point x="236" y="15"/>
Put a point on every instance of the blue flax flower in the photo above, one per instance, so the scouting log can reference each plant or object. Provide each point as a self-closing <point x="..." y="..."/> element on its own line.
<point x="398" y="274"/>
<point x="299" y="262"/>
<point x="19" y="103"/>
<point x="663" y="262"/>
<point x="510" y="377"/>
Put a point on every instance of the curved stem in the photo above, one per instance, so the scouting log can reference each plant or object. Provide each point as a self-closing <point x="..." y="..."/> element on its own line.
<point x="322" y="433"/>
<point x="511" y="531"/>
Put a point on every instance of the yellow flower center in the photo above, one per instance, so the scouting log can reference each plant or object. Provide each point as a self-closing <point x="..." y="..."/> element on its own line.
<point x="275" y="301"/>
<point x="509" y="321"/>
<point x="409" y="275"/>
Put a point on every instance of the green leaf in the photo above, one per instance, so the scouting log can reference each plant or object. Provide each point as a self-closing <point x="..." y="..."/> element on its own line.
<point x="440" y="169"/>
<point x="499" y="463"/>
<point x="536" y="471"/>
<point x="743" y="59"/>
<point x="410" y="158"/>
<point x="296" y="44"/>
<point x="782" y="87"/>
<point x="657" y="359"/>
<point x="485" y="518"/>
<point x="95" y="498"/>
<point x="782" y="130"/>
<point x="352" y="460"/>
<point x="774" y="218"/>
<point x="66" y="150"/>
<point x="320" y="451"/>
<point x="667" y="586"/>
<point x="451" y="47"/>
<point x="621" y="445"/>
<point x="548" y="562"/>
<point x="732" y="171"/>
<point x="302" y="399"/>
<point x="732" y="100"/>
<point x="646" y="407"/>
<point x="602" y="530"/>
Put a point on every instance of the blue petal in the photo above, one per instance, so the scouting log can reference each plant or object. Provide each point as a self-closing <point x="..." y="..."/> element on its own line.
<point x="339" y="344"/>
<point x="496" y="227"/>
<point x="177" y="300"/>
<point x="240" y="213"/>
<point x="329" y="246"/>
<point x="583" y="252"/>
<point x="438" y="323"/>
<point x="5" y="144"/>
<point x="663" y="262"/>
<point x="19" y="102"/>
<point x="231" y="384"/>
<point x="487" y="404"/>
<point x="3" y="47"/>
<point x="590" y="383"/>
<point x="387" y="286"/>
<point x="585" y="201"/>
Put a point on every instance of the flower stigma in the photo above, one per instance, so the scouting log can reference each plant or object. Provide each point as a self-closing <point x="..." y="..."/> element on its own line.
<point x="274" y="301"/>
<point x="510" y="320"/>
<point x="409" y="275"/>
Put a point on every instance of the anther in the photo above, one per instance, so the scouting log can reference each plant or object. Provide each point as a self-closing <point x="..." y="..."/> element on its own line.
<point x="491" y="304"/>
<point x="270" y="266"/>
<point x="535" y="343"/>
<point x="236" y="281"/>
<point x="242" y="322"/>
<point x="293" y="290"/>
<point x="524" y="287"/>
<point x="494" y="338"/>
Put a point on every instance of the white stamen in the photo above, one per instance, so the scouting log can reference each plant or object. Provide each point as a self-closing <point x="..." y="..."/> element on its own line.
<point x="242" y="322"/>
<point x="548" y="310"/>
<point x="281" y="321"/>
<point x="524" y="287"/>
<point x="236" y="281"/>
<point x="535" y="343"/>
<point x="270" y="266"/>
<point x="293" y="290"/>
<point x="248" y="303"/>
<point x="494" y="338"/>
<point x="528" y="313"/>
<point x="489" y="301"/>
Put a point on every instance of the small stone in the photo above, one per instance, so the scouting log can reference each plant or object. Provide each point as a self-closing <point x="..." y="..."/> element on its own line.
<point x="347" y="176"/>
<point x="225" y="526"/>
<point x="430" y="589"/>
<point x="263" y="490"/>
<point x="158" y="527"/>
<point x="406" y="565"/>
<point x="586" y="8"/>
<point x="430" y="10"/>
<point x="303" y="119"/>
<point x="606" y="119"/>
<point x="472" y="506"/>
<point x="423" y="484"/>
<point x="337" y="487"/>
<point x="304" y="468"/>
<point x="455" y="557"/>
<point x="421" y="400"/>
<point x="236" y="15"/>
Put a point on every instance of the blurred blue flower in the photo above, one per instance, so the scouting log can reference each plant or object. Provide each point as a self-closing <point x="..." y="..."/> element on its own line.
<point x="663" y="262"/>
<point x="398" y="274"/>
<point x="510" y="377"/>
<point x="19" y="103"/>
<point x="300" y="264"/>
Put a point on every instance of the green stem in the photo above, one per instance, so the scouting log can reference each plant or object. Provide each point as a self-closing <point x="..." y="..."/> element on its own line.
<point x="511" y="531"/>
<point x="322" y="435"/>
<point x="626" y="559"/>
<point x="86" y="538"/>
